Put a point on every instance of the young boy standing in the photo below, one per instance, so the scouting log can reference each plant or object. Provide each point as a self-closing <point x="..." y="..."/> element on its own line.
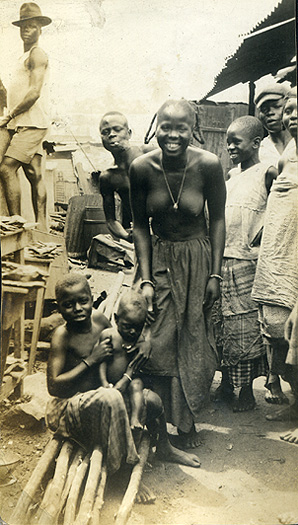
<point x="118" y="370"/>
<point x="244" y="353"/>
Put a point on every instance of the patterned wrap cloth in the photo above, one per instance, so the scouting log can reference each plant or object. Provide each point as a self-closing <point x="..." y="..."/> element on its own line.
<point x="95" y="417"/>
<point x="241" y="328"/>
<point x="183" y="348"/>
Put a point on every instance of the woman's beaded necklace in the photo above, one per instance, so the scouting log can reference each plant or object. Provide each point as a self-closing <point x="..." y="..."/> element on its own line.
<point x="175" y="203"/>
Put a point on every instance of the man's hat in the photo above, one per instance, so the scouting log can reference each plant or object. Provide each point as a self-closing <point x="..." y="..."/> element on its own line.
<point x="31" y="11"/>
<point x="271" y="92"/>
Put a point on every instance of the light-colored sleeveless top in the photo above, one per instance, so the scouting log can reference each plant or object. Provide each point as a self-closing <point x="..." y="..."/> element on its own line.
<point x="37" y="116"/>
<point x="245" y="209"/>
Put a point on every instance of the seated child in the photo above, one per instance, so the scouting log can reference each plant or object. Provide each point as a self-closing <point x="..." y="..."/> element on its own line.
<point x="80" y="408"/>
<point x="117" y="371"/>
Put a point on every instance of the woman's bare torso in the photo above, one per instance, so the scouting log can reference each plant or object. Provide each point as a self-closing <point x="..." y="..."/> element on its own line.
<point x="188" y="221"/>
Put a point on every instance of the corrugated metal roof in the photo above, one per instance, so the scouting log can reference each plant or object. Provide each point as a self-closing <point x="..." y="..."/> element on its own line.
<point x="268" y="47"/>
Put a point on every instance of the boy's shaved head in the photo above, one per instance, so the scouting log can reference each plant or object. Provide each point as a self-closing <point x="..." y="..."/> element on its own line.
<point x="114" y="114"/>
<point x="132" y="300"/>
<point x="179" y="104"/>
<point x="252" y="126"/>
<point x="71" y="279"/>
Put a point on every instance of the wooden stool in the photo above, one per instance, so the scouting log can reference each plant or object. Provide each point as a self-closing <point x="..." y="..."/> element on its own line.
<point x="35" y="291"/>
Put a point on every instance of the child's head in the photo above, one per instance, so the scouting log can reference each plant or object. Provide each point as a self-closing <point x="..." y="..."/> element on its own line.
<point x="244" y="136"/>
<point x="174" y="126"/>
<point x="114" y="131"/>
<point x="131" y="316"/>
<point x="74" y="298"/>
<point x="290" y="112"/>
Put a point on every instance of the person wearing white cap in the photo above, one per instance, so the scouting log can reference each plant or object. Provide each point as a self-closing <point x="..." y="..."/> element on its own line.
<point x="27" y="119"/>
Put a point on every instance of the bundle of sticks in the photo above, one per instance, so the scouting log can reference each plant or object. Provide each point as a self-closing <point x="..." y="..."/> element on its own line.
<point x="68" y="483"/>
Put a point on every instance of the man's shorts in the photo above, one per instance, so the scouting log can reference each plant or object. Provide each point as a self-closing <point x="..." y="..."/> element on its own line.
<point x="25" y="143"/>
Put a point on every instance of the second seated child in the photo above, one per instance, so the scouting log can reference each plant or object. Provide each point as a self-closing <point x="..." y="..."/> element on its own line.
<point x="244" y="353"/>
<point x="118" y="370"/>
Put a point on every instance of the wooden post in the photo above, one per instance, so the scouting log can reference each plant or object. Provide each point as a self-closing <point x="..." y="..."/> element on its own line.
<point x="251" y="104"/>
<point x="77" y="460"/>
<point x="49" y="512"/>
<point x="99" y="501"/>
<point x="134" y="482"/>
<point x="27" y="497"/>
<point x="72" y="501"/>
<point x="92" y="482"/>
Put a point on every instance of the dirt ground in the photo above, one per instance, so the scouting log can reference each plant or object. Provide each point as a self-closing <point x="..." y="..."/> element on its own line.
<point x="248" y="476"/>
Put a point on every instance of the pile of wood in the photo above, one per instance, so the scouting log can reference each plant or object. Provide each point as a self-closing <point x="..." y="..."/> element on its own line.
<point x="67" y="487"/>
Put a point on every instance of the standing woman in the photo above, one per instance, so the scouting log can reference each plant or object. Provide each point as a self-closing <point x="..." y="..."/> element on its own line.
<point x="180" y="263"/>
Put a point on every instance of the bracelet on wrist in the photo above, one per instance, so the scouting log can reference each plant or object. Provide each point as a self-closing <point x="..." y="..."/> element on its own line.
<point x="147" y="281"/>
<point x="85" y="363"/>
<point x="128" y="377"/>
<point x="216" y="276"/>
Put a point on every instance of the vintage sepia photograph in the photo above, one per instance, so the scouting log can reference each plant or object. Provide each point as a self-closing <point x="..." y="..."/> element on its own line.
<point x="149" y="262"/>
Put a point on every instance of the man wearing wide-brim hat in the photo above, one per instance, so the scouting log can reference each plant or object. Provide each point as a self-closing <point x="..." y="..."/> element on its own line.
<point x="27" y="119"/>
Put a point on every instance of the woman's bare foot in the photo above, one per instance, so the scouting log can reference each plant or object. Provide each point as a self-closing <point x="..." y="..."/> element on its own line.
<point x="288" y="519"/>
<point x="291" y="437"/>
<point x="275" y="395"/>
<point x="245" y="401"/>
<point x="285" y="414"/>
<point x="175" y="455"/>
<point x="145" y="495"/>
<point x="189" y="439"/>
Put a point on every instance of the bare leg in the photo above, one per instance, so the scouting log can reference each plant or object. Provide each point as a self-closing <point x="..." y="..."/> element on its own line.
<point x="38" y="190"/>
<point x="156" y="421"/>
<point x="225" y="389"/>
<point x="274" y="394"/>
<point x="246" y="400"/>
<point x="137" y="402"/>
<point x="11" y="184"/>
<point x="189" y="439"/>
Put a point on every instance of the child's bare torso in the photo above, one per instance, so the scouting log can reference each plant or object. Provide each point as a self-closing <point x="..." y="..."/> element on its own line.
<point x="80" y="346"/>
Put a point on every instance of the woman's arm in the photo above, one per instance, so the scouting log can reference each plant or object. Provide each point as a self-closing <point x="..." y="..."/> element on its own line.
<point x="215" y="192"/>
<point x="141" y="231"/>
